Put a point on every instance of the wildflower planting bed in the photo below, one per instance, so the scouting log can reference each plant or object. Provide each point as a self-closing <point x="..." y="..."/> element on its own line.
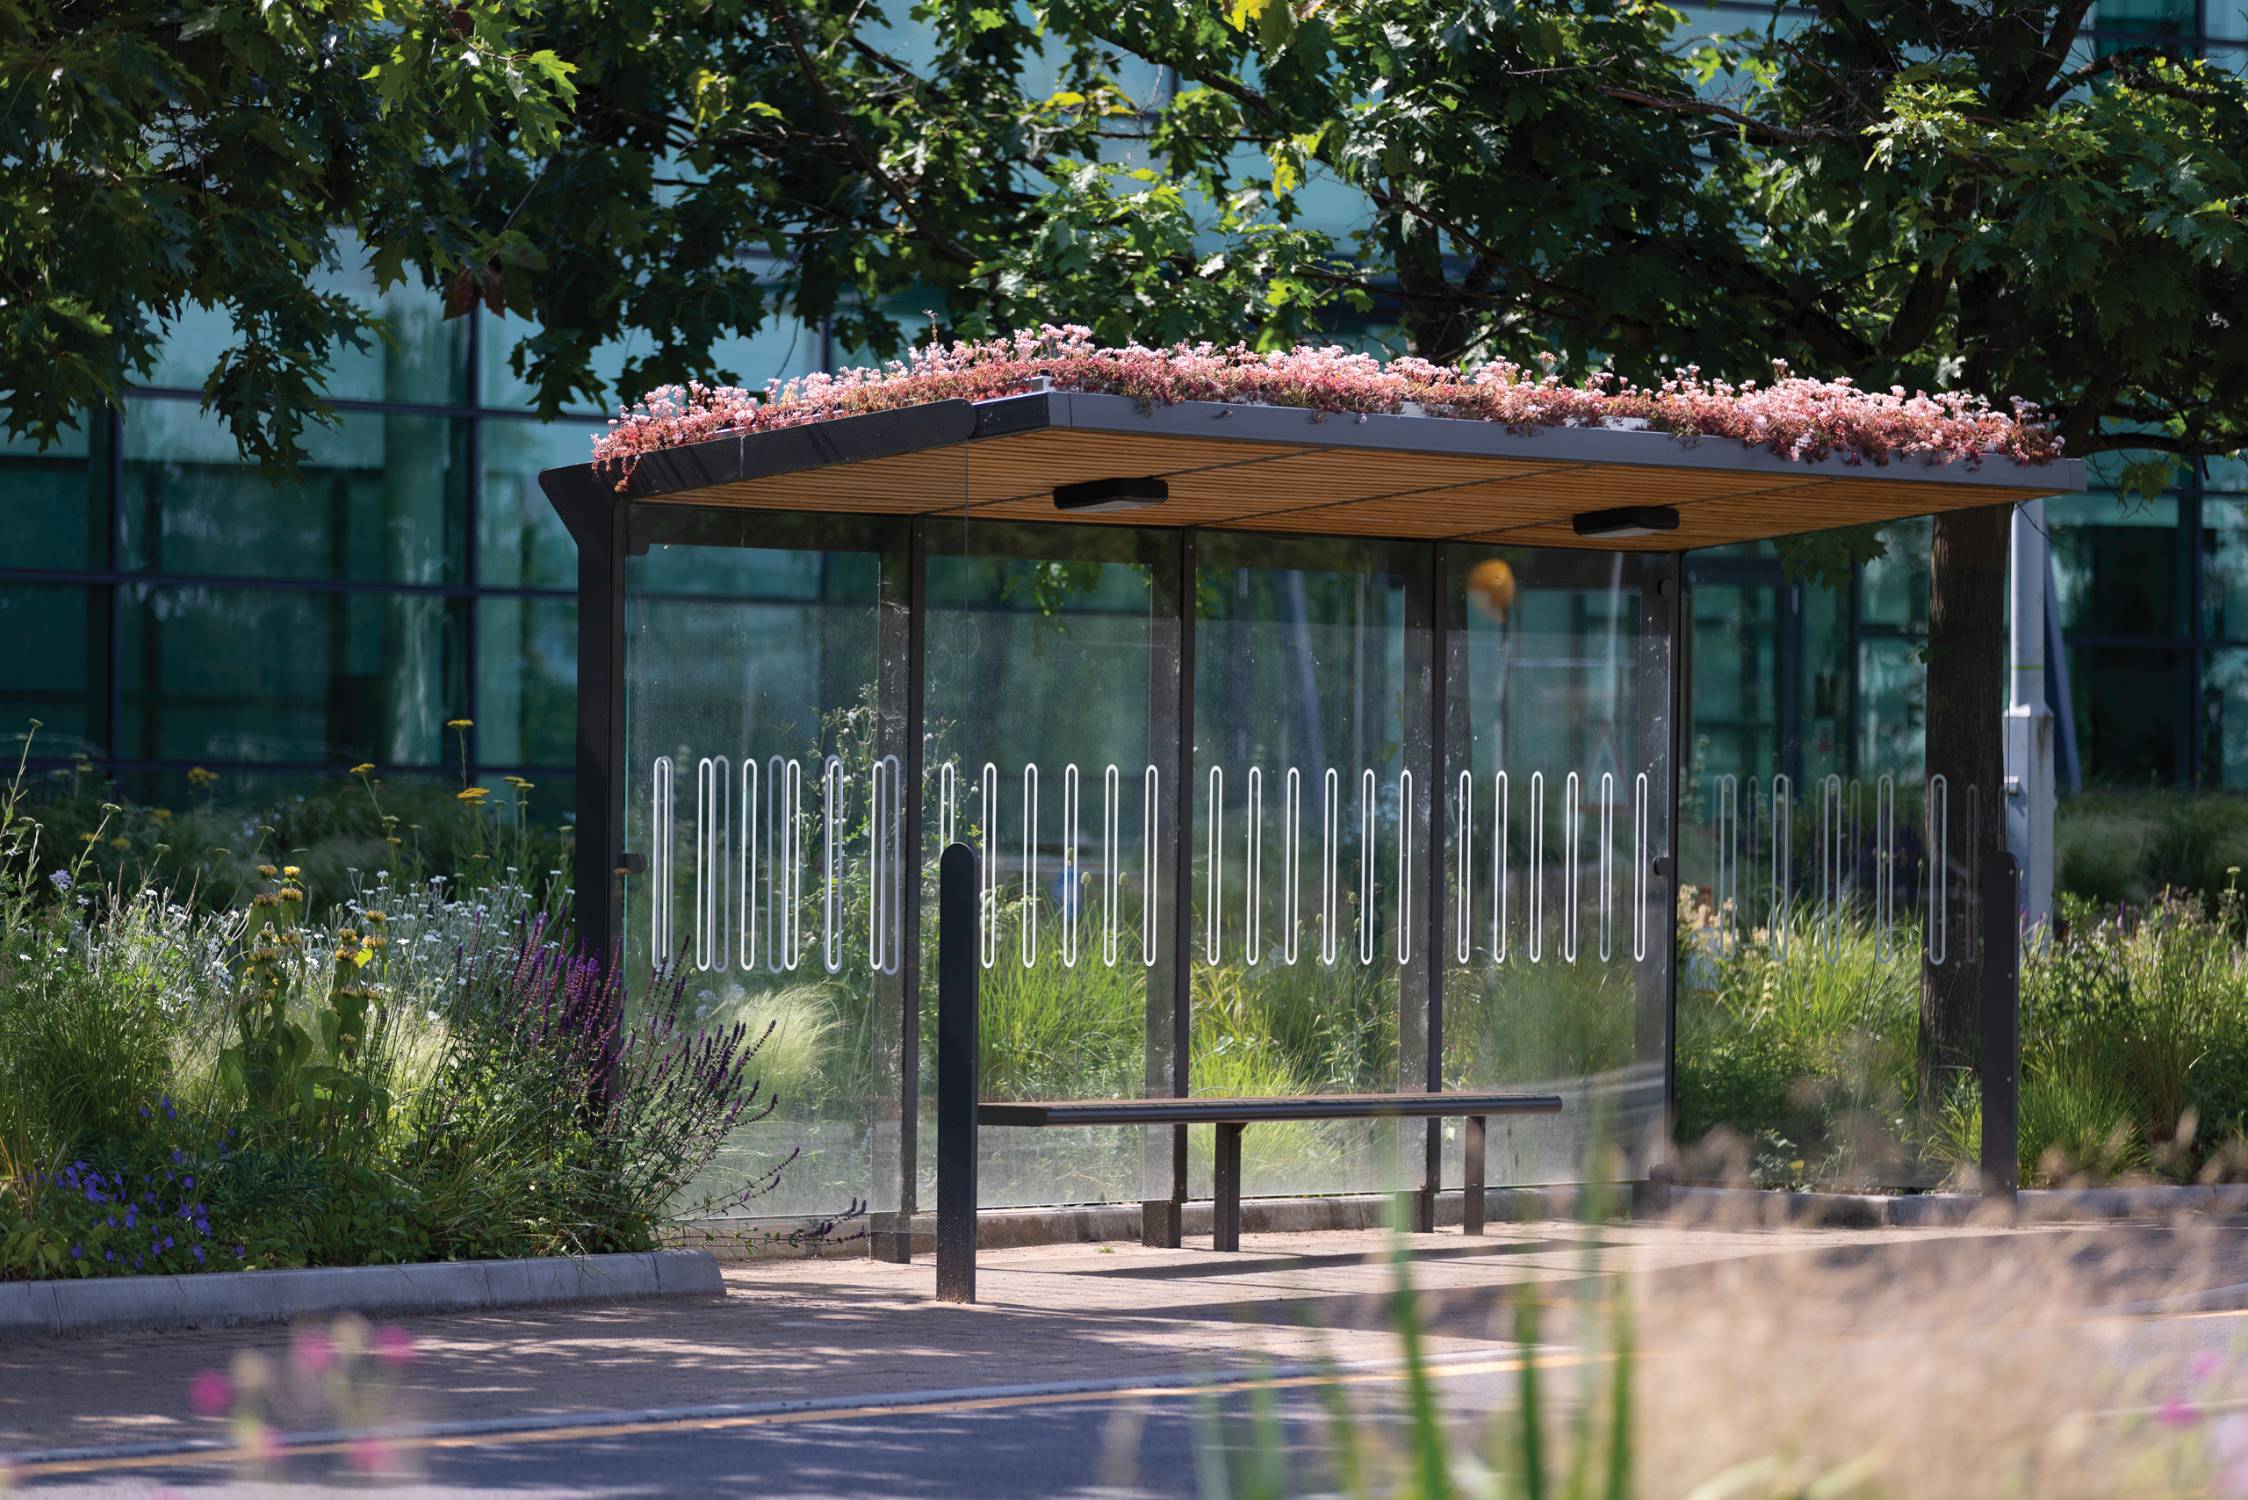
<point x="1796" y="1052"/>
<point x="247" y="1051"/>
<point x="199" y="1078"/>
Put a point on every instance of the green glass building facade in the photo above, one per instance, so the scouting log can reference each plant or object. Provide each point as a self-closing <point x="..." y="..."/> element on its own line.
<point x="164" y="608"/>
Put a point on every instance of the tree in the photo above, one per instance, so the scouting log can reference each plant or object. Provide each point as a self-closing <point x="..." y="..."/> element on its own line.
<point x="1929" y="193"/>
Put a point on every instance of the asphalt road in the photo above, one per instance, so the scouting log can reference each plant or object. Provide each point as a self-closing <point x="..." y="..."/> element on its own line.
<point x="1131" y="1441"/>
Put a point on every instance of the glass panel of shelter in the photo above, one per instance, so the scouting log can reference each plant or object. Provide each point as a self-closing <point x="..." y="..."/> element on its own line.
<point x="1820" y="923"/>
<point x="1354" y="896"/>
<point x="1559" y="948"/>
<point x="763" y="815"/>
<point x="1312" y="788"/>
<point x="1051" y="669"/>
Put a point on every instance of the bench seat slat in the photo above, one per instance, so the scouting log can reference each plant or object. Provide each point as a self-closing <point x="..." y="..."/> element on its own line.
<point x="1056" y="1112"/>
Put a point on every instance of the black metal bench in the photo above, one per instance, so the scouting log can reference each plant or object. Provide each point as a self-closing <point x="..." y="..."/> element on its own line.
<point x="961" y="1111"/>
<point x="1231" y="1116"/>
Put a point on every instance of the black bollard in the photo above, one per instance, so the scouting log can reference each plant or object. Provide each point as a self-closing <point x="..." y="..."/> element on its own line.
<point x="2001" y="1068"/>
<point x="958" y="1086"/>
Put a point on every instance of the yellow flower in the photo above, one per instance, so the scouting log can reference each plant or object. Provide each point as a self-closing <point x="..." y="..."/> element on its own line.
<point x="460" y="723"/>
<point x="362" y="768"/>
<point x="120" y="842"/>
<point x="472" y="794"/>
<point x="395" y="839"/>
<point x="377" y="918"/>
<point x="290" y="871"/>
<point x="197" y="776"/>
<point x="88" y="838"/>
<point x="267" y="871"/>
<point x="161" y="814"/>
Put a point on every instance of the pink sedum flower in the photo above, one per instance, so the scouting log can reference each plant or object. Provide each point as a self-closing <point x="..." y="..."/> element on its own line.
<point x="2178" y="1412"/>
<point x="1792" y="415"/>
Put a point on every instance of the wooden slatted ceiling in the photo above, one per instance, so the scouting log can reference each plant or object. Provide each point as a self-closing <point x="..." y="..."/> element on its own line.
<point x="1346" y="492"/>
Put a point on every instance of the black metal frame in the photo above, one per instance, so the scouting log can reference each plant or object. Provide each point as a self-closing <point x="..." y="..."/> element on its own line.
<point x="591" y="504"/>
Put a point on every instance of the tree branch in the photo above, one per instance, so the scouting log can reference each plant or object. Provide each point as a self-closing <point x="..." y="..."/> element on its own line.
<point x="1763" y="129"/>
<point x="891" y="187"/>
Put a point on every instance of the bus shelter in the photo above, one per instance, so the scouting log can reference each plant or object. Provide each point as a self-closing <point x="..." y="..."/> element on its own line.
<point x="1303" y="753"/>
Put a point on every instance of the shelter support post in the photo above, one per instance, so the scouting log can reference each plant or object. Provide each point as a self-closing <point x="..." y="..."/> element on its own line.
<point x="596" y="522"/>
<point x="1170" y="988"/>
<point x="901" y="693"/>
<point x="1439" y="615"/>
<point x="958" y="1087"/>
<point x="1663" y="667"/>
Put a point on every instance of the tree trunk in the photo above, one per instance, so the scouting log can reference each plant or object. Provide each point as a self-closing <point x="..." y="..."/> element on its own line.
<point x="1965" y="742"/>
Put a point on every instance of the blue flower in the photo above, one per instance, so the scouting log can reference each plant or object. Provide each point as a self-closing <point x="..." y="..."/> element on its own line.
<point x="188" y="1186"/>
<point x="131" y="1213"/>
<point x="77" y="1252"/>
<point x="167" y="1242"/>
<point x="109" y="1255"/>
<point x="199" y="1255"/>
<point x="60" y="879"/>
<point x="177" y="1158"/>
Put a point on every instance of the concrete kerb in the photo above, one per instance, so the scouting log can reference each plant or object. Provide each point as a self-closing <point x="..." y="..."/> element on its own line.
<point x="1017" y="1228"/>
<point x="219" y="1299"/>
<point x="1917" y="1210"/>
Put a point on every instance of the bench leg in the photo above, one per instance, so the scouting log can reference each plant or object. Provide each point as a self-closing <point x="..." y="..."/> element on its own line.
<point x="1471" y="1209"/>
<point x="1225" y="1212"/>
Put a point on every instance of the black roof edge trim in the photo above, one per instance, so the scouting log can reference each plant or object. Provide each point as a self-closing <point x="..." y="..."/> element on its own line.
<point x="783" y="450"/>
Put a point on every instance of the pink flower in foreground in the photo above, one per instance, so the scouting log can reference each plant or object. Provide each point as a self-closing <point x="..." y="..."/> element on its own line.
<point x="366" y="1455"/>
<point x="1791" y="415"/>
<point x="394" y="1346"/>
<point x="312" y="1351"/>
<point x="2205" y="1365"/>
<point x="2177" y="1411"/>
<point x="210" y="1392"/>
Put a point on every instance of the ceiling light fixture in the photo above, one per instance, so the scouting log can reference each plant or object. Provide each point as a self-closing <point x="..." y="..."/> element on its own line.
<point x="1100" y="495"/>
<point x="1625" y="521"/>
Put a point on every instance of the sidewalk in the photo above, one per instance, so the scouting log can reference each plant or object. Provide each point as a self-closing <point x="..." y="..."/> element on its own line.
<point x="854" y="1327"/>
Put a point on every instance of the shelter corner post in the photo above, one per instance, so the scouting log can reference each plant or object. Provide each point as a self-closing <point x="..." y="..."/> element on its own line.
<point x="597" y="521"/>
